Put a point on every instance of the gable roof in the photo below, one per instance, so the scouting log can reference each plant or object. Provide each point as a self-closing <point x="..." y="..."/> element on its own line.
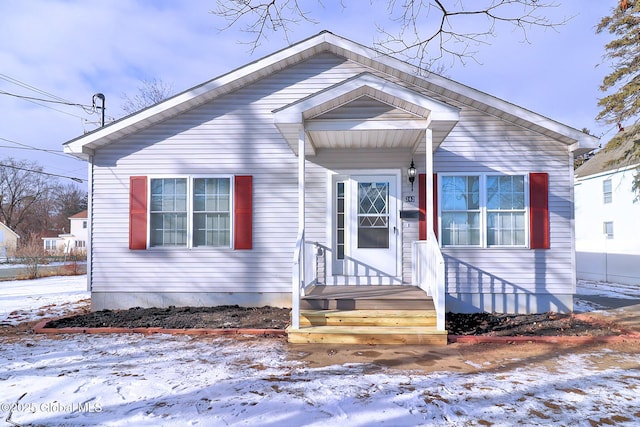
<point x="79" y="215"/>
<point x="370" y="104"/>
<point x="85" y="145"/>
<point x="612" y="158"/>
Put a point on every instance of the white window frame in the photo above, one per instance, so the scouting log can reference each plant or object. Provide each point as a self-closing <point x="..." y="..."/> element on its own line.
<point x="605" y="231"/>
<point x="50" y="242"/>
<point x="484" y="211"/>
<point x="607" y="196"/>
<point x="190" y="211"/>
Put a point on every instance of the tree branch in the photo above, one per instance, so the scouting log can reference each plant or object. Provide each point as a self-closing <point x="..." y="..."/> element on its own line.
<point x="428" y="29"/>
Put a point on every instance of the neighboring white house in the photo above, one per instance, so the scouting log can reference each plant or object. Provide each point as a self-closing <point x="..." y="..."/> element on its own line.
<point x="607" y="218"/>
<point x="8" y="242"/>
<point x="73" y="241"/>
<point x="292" y="171"/>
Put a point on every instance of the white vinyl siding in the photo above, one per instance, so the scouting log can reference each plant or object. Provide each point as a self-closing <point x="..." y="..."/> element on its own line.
<point x="483" y="144"/>
<point x="235" y="134"/>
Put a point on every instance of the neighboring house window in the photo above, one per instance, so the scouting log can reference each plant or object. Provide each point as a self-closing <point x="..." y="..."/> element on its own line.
<point x="81" y="244"/>
<point x="607" y="194"/>
<point x="483" y="210"/>
<point x="608" y="229"/>
<point x="208" y="211"/>
<point x="84" y="224"/>
<point x="50" y="245"/>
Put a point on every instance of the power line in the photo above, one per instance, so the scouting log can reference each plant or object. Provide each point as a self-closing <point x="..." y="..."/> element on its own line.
<point x="22" y="146"/>
<point x="73" y="178"/>
<point x="31" y="98"/>
<point x="30" y="87"/>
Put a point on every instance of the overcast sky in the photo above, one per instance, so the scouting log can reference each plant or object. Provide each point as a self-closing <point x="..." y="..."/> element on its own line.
<point x="72" y="49"/>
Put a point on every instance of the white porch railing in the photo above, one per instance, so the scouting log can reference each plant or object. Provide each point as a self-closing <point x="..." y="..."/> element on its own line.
<point x="297" y="281"/>
<point x="428" y="273"/>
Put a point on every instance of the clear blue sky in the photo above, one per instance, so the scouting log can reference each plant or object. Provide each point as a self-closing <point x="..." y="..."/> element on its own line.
<point x="75" y="48"/>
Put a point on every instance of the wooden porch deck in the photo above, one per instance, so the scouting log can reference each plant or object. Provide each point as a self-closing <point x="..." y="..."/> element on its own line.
<point x="367" y="315"/>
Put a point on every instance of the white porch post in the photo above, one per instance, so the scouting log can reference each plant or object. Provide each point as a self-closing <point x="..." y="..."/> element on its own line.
<point x="295" y="294"/>
<point x="429" y="180"/>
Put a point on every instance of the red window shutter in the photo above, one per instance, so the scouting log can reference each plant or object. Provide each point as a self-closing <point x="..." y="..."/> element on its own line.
<point x="243" y="212"/>
<point x="422" y="206"/>
<point x="138" y="212"/>
<point x="539" y="210"/>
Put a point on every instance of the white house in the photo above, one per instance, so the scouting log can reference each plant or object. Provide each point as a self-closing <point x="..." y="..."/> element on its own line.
<point x="73" y="241"/>
<point x="288" y="177"/>
<point x="607" y="217"/>
<point x="8" y="242"/>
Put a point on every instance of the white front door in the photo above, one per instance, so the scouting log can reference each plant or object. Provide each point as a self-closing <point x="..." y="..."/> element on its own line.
<point x="367" y="233"/>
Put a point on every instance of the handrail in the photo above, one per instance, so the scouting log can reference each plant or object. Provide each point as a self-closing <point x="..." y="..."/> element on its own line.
<point x="297" y="281"/>
<point x="429" y="273"/>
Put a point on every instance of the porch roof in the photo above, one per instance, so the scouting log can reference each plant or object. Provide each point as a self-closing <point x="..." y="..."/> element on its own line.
<point x="365" y="111"/>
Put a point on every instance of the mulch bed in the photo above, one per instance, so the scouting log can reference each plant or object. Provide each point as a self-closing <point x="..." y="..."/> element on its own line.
<point x="235" y="317"/>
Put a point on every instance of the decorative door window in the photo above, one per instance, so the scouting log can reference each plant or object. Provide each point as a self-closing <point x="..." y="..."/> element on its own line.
<point x="373" y="215"/>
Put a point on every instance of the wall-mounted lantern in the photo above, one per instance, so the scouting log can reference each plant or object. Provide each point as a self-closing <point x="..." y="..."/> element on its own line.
<point x="411" y="174"/>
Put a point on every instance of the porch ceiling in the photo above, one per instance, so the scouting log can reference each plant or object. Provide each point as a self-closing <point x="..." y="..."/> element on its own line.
<point x="365" y="112"/>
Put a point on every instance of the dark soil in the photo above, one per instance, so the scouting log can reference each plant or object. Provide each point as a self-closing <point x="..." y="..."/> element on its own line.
<point x="547" y="324"/>
<point x="221" y="317"/>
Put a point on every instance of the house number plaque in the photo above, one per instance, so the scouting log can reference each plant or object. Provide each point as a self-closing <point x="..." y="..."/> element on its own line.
<point x="410" y="199"/>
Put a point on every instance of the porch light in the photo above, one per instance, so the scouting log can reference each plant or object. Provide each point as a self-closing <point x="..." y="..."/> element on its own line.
<point x="411" y="174"/>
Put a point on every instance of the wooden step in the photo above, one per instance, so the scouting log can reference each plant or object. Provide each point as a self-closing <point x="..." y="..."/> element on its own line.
<point x="366" y="298"/>
<point x="367" y="318"/>
<point x="417" y="335"/>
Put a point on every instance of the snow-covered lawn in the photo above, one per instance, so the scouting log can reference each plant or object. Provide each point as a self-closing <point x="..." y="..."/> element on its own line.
<point x="28" y="300"/>
<point x="161" y="380"/>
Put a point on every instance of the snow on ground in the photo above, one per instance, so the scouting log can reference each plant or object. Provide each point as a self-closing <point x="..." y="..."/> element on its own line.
<point x="162" y="380"/>
<point x="587" y="288"/>
<point x="27" y="300"/>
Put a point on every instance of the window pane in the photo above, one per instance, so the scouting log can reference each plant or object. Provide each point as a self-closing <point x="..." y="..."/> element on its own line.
<point x="169" y="212"/>
<point x="373" y="215"/>
<point x="461" y="228"/>
<point x="505" y="229"/>
<point x="460" y="193"/>
<point x="606" y="191"/>
<point x="212" y="212"/>
<point x="505" y="211"/>
<point x="505" y="192"/>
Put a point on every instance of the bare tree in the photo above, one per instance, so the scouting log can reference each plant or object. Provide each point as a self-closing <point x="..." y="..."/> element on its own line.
<point x="32" y="254"/>
<point x="68" y="200"/>
<point x="24" y="192"/>
<point x="150" y="92"/>
<point x="423" y="30"/>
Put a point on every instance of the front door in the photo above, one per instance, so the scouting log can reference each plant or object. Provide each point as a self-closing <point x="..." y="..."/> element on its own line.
<point x="368" y="245"/>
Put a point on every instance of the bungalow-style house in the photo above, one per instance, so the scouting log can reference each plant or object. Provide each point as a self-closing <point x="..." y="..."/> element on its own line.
<point x="73" y="241"/>
<point x="339" y="181"/>
<point x="8" y="242"/>
<point x="607" y="236"/>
